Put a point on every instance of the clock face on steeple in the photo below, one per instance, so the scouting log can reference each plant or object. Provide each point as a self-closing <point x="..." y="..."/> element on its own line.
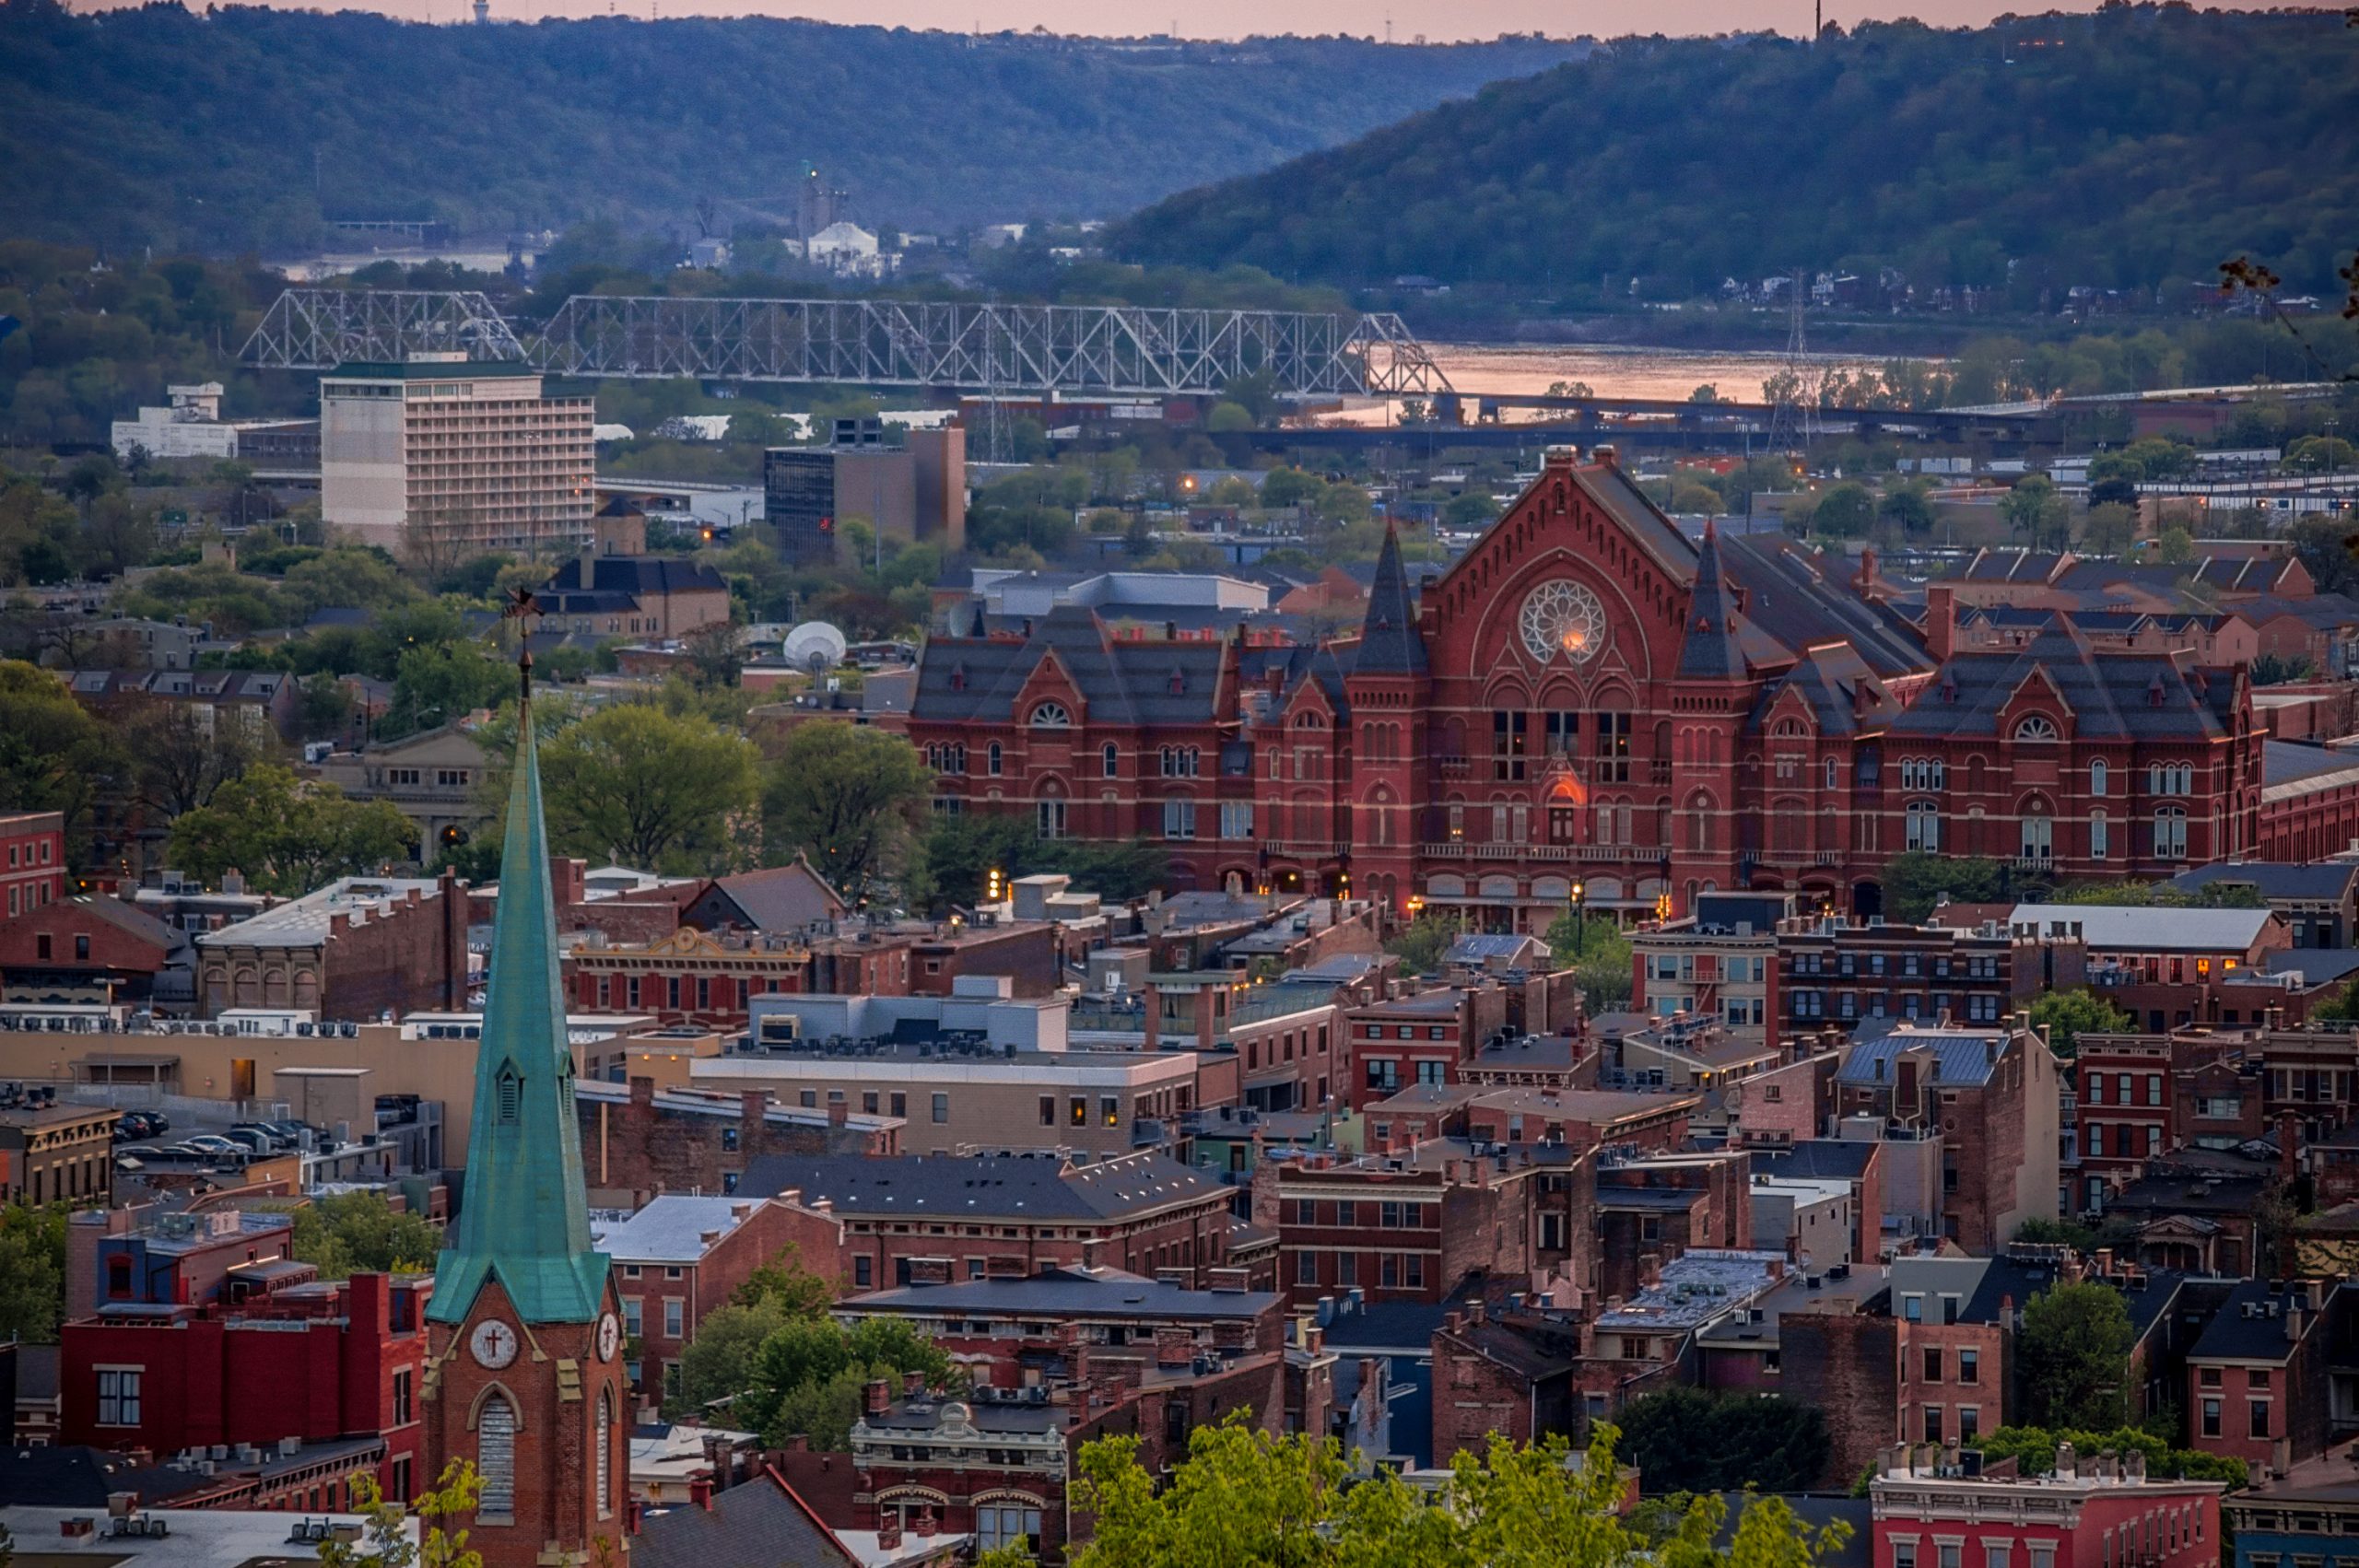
<point x="1562" y="619"/>
<point x="493" y="1344"/>
<point x="609" y="1337"/>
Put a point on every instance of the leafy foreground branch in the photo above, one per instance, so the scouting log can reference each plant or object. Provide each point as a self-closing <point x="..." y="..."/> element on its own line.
<point x="1244" y="1498"/>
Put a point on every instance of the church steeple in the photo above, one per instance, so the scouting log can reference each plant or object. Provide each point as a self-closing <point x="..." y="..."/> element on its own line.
<point x="523" y="1217"/>
<point x="1389" y="641"/>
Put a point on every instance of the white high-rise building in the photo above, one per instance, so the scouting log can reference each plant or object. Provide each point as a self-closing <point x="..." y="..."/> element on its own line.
<point x="445" y="458"/>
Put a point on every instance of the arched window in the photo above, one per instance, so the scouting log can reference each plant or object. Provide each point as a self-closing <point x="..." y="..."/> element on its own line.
<point x="2100" y="835"/>
<point x="1050" y="716"/>
<point x="1111" y="760"/>
<point x="2038" y="842"/>
<point x="2170" y="832"/>
<point x="1924" y="827"/>
<point x="496" y="1459"/>
<point x="1834" y="773"/>
<point x="2097" y="780"/>
<point x="605" y="1437"/>
<point x="991" y="760"/>
<point x="2035" y="727"/>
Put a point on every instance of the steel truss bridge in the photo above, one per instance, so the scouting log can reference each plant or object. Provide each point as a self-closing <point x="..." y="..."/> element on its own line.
<point x="1007" y="350"/>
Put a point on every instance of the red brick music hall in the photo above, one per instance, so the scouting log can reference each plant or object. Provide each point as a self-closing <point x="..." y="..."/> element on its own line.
<point x="1587" y="694"/>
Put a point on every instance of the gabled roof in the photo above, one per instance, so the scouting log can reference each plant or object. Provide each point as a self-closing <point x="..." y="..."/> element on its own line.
<point x="2109" y="695"/>
<point x="2273" y="879"/>
<point x="1790" y="603"/>
<point x="637" y="576"/>
<point x="1122" y="682"/>
<point x="780" y="898"/>
<point x="1960" y="1056"/>
<point x="758" y="1521"/>
<point x="2126" y="927"/>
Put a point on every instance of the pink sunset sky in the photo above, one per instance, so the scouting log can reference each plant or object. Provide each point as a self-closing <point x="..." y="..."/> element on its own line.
<point x="1433" y="19"/>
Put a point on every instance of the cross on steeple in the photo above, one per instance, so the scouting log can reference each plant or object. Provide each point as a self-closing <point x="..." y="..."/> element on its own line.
<point x="522" y="602"/>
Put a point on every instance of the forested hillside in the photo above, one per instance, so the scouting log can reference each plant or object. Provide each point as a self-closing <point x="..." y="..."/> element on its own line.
<point x="239" y="127"/>
<point x="2136" y="147"/>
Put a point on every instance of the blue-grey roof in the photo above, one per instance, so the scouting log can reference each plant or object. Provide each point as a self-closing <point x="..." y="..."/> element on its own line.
<point x="1387" y="1326"/>
<point x="1120" y="682"/>
<point x="2243" y="1330"/>
<point x="997" y="1184"/>
<point x="2276" y="879"/>
<point x="755" y="1522"/>
<point x="1067" y="1292"/>
<point x="1834" y="1159"/>
<point x="2106" y="697"/>
<point x="671" y="1229"/>
<point x="2316" y="965"/>
<point x="1960" y="1056"/>
<point x="1477" y="948"/>
<point x="2284" y="762"/>
<point x="637" y="576"/>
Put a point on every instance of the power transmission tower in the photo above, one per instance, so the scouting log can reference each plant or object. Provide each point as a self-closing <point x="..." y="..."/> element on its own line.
<point x="1794" y="418"/>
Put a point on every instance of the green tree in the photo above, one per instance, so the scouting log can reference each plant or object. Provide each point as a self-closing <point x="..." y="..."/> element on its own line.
<point x="1690" y="1440"/>
<point x="287" y="834"/>
<point x="2114" y="480"/>
<point x="360" y="1232"/>
<point x="2109" y="529"/>
<point x="1247" y="1498"/>
<point x="53" y="756"/>
<point x="1468" y="509"/>
<point x="2037" y="510"/>
<point x="2074" y="1351"/>
<point x="1914" y="880"/>
<point x="386" y="1523"/>
<point x="435" y="682"/>
<point x="850" y="798"/>
<point x="1421" y="943"/>
<point x="181" y="758"/>
<point x="2034" y="1450"/>
<point x="32" y="1271"/>
<point x="2067" y="1016"/>
<point x="1844" y="511"/>
<point x="1594" y="947"/>
<point x="1906" y="508"/>
<point x="2174" y="546"/>
<point x="662" y="791"/>
<point x="1227" y="418"/>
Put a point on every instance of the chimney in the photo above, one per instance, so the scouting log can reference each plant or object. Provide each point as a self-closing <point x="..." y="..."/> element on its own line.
<point x="1941" y="621"/>
<point x="642" y="1091"/>
<point x="700" y="1492"/>
<point x="838" y="1112"/>
<point x="912" y="1384"/>
<point x="2289" y="1147"/>
<point x="880" y="1397"/>
<point x="888" y="1531"/>
<point x="2065" y="1469"/>
<point x="1151" y="1005"/>
<point x="925" y="1526"/>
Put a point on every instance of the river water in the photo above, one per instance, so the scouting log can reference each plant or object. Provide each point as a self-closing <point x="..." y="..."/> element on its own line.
<point x="1610" y="370"/>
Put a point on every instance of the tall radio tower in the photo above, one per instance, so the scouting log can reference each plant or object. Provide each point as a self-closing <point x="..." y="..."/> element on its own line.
<point x="1795" y="416"/>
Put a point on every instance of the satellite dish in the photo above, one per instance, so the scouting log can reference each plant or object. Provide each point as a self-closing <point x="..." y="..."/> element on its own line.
<point x="814" y="645"/>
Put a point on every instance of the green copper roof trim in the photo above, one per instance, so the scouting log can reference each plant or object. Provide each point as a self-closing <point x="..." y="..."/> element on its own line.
<point x="524" y="1213"/>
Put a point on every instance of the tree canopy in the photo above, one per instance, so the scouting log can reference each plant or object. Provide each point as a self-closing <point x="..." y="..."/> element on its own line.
<point x="1246" y="1498"/>
<point x="287" y="834"/>
<point x="2073" y="1350"/>
<point x="1690" y="1440"/>
<point x="486" y="129"/>
<point x="360" y="1232"/>
<point x="2077" y="171"/>
<point x="661" y="791"/>
<point x="850" y="798"/>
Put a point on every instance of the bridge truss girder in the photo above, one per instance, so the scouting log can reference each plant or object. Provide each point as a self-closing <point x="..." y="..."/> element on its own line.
<point x="318" y="329"/>
<point x="1016" y="350"/>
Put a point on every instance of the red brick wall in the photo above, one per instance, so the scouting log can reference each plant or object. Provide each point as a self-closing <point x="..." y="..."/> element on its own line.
<point x="32" y="860"/>
<point x="639" y="1147"/>
<point x="1848" y="1368"/>
<point x="770" y="1230"/>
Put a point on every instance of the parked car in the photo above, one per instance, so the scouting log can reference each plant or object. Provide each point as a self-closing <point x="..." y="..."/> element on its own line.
<point x="137" y="1151"/>
<point x="213" y="1143"/>
<point x="143" y="1124"/>
<point x="268" y="1132"/>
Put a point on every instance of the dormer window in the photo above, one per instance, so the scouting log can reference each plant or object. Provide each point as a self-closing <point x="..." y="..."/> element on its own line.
<point x="2035" y="727"/>
<point x="508" y="1093"/>
<point x="1178" y="682"/>
<point x="1050" y="716"/>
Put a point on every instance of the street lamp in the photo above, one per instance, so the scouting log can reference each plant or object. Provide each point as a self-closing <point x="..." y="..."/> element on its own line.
<point x="1580" y="920"/>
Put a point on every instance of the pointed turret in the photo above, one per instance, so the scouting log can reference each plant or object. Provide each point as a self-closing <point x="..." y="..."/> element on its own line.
<point x="1709" y="650"/>
<point x="523" y="1217"/>
<point x="1389" y="641"/>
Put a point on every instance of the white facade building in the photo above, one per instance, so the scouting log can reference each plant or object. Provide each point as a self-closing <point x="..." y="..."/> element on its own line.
<point x="447" y="457"/>
<point x="191" y="428"/>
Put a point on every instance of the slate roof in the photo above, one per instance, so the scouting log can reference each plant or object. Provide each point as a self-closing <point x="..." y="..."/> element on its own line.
<point x="1960" y="1056"/>
<point x="1389" y="644"/>
<point x="2329" y="880"/>
<point x="77" y="1476"/>
<point x="2288" y="762"/>
<point x="1068" y="1292"/>
<point x="2109" y="695"/>
<point x="2013" y="565"/>
<point x="1791" y="603"/>
<point x="639" y="576"/>
<point x="2316" y="965"/>
<point x="2232" y="1335"/>
<point x="1387" y="1325"/>
<point x="759" y="1521"/>
<point x="781" y="898"/>
<point x="1711" y="649"/>
<point x="1122" y="683"/>
<point x="1830" y="680"/>
<point x="1840" y="1159"/>
<point x="980" y="1184"/>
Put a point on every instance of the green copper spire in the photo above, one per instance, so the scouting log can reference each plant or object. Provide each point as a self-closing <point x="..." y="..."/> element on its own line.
<point x="524" y="1215"/>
